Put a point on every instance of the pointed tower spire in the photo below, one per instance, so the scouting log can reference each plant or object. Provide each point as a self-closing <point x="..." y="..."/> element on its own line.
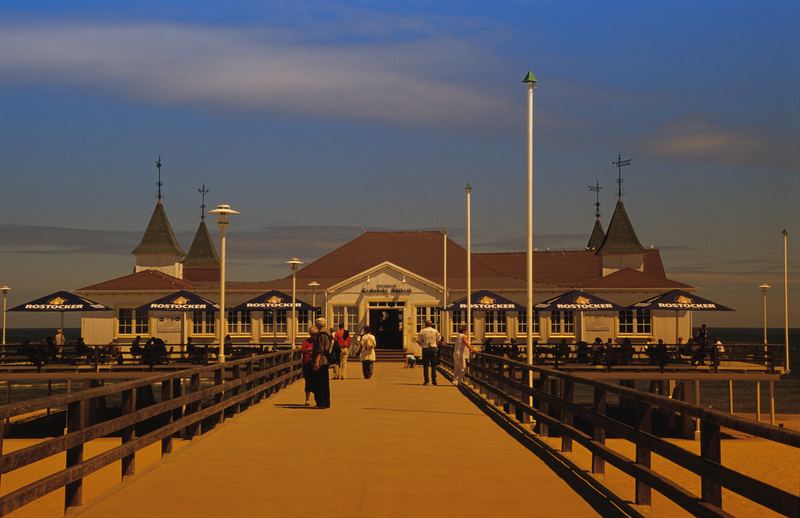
<point x="597" y="237"/>
<point x="620" y="237"/>
<point x="159" y="239"/>
<point x="202" y="252"/>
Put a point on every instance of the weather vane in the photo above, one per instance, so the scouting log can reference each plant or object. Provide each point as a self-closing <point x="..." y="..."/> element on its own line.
<point x="620" y="163"/>
<point x="596" y="189"/>
<point x="203" y="191"/>
<point x="159" y="183"/>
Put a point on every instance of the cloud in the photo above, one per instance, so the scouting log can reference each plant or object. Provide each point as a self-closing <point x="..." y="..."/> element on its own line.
<point x="703" y="140"/>
<point x="409" y="81"/>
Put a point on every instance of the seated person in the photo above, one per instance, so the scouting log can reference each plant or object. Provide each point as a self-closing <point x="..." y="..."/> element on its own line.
<point x="411" y="360"/>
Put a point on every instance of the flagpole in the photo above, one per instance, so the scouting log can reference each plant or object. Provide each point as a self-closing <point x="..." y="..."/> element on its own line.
<point x="530" y="82"/>
<point x="787" y="367"/>
<point x="468" y="190"/>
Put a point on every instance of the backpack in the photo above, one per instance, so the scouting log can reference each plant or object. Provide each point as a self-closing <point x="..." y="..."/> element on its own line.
<point x="327" y="352"/>
<point x="335" y="356"/>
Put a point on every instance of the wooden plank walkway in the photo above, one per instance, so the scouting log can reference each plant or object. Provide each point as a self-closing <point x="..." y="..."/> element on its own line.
<point x="388" y="447"/>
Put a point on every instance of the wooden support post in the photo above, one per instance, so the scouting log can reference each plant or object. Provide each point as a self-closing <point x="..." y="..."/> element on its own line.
<point x="598" y="432"/>
<point x="219" y="374"/>
<point x="544" y="429"/>
<point x="772" y="403"/>
<point x="237" y="374"/>
<point x="730" y="397"/>
<point x="566" y="414"/>
<point x="129" y="432"/>
<point x="167" y="388"/>
<point x="194" y="387"/>
<point x="177" y="413"/>
<point x="710" y="450"/>
<point x="696" y="403"/>
<point x="508" y="406"/>
<point x="758" y="401"/>
<point x="555" y="386"/>
<point x="249" y="372"/>
<point x="76" y="419"/>
<point x="644" y="418"/>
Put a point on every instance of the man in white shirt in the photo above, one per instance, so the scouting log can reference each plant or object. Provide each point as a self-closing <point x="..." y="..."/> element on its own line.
<point x="429" y="339"/>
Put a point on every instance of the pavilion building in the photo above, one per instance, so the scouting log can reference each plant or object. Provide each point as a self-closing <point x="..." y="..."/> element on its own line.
<point x="393" y="281"/>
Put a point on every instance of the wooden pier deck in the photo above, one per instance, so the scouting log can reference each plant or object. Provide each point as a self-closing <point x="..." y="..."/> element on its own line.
<point x="388" y="447"/>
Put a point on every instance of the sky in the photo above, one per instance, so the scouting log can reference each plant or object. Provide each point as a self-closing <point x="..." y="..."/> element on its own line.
<point x="318" y="120"/>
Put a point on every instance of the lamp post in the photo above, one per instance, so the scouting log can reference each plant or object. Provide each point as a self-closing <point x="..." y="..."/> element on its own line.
<point x="786" y="367"/>
<point x="468" y="190"/>
<point x="764" y="287"/>
<point x="314" y="285"/>
<point x="5" y="289"/>
<point x="530" y="83"/>
<point x="223" y="213"/>
<point x="294" y="263"/>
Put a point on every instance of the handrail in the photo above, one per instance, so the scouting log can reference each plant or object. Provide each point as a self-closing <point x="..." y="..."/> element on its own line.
<point x="504" y="382"/>
<point x="236" y="385"/>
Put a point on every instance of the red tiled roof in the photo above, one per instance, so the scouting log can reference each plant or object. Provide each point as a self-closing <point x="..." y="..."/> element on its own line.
<point x="633" y="279"/>
<point x="145" y="280"/>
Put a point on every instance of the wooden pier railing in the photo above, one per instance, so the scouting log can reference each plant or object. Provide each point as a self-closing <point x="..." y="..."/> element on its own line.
<point x="212" y="393"/>
<point x="504" y="383"/>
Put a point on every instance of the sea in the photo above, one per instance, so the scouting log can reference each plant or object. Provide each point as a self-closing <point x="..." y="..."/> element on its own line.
<point x="712" y="394"/>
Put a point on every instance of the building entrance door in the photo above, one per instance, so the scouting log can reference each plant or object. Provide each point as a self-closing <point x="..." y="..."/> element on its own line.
<point x="387" y="326"/>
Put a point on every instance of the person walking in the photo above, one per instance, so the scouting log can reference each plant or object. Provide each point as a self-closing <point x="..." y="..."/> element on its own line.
<point x="367" y="356"/>
<point x="308" y="365"/>
<point x="342" y="338"/>
<point x="61" y="341"/>
<point x="429" y="339"/>
<point x="320" y="353"/>
<point x="461" y="352"/>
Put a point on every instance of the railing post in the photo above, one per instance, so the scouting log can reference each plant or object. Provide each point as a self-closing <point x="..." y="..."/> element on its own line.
<point x="76" y="419"/>
<point x="166" y="395"/>
<point x="710" y="450"/>
<point x="251" y="383"/>
<point x="219" y="374"/>
<point x="129" y="432"/>
<point x="177" y="392"/>
<point x="237" y="375"/>
<point x="194" y="387"/>
<point x="566" y="414"/>
<point x="598" y="432"/>
<point x="544" y="429"/>
<point x="644" y="418"/>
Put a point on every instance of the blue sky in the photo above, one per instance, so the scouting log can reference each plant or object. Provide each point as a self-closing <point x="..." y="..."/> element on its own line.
<point x="337" y="116"/>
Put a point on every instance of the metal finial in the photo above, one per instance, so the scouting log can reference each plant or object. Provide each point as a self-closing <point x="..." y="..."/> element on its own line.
<point x="620" y="163"/>
<point x="159" y="183"/>
<point x="596" y="189"/>
<point x="203" y="191"/>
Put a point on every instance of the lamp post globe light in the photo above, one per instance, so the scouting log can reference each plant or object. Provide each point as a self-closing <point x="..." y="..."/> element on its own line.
<point x="5" y="289"/>
<point x="223" y="213"/>
<point x="294" y="263"/>
<point x="314" y="285"/>
<point x="764" y="287"/>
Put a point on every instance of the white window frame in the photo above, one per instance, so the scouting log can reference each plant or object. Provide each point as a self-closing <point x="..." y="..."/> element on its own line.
<point x="347" y="315"/>
<point x="432" y="313"/>
<point x="304" y="320"/>
<point x="494" y="323"/>
<point x="204" y="323"/>
<point x="139" y="322"/>
<point x="522" y="323"/>
<point x="562" y="323"/>
<point x="240" y="323"/>
<point x="636" y="322"/>
<point x="266" y="323"/>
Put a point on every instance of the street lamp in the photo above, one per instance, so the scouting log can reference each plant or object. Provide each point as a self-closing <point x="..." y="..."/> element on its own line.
<point x="5" y="289"/>
<point x="314" y="285"/>
<point x="468" y="190"/>
<point x="294" y="263"/>
<point x="223" y="213"/>
<point x="764" y="287"/>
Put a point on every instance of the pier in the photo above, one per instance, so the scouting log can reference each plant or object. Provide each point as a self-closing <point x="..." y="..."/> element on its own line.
<point x="236" y="438"/>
